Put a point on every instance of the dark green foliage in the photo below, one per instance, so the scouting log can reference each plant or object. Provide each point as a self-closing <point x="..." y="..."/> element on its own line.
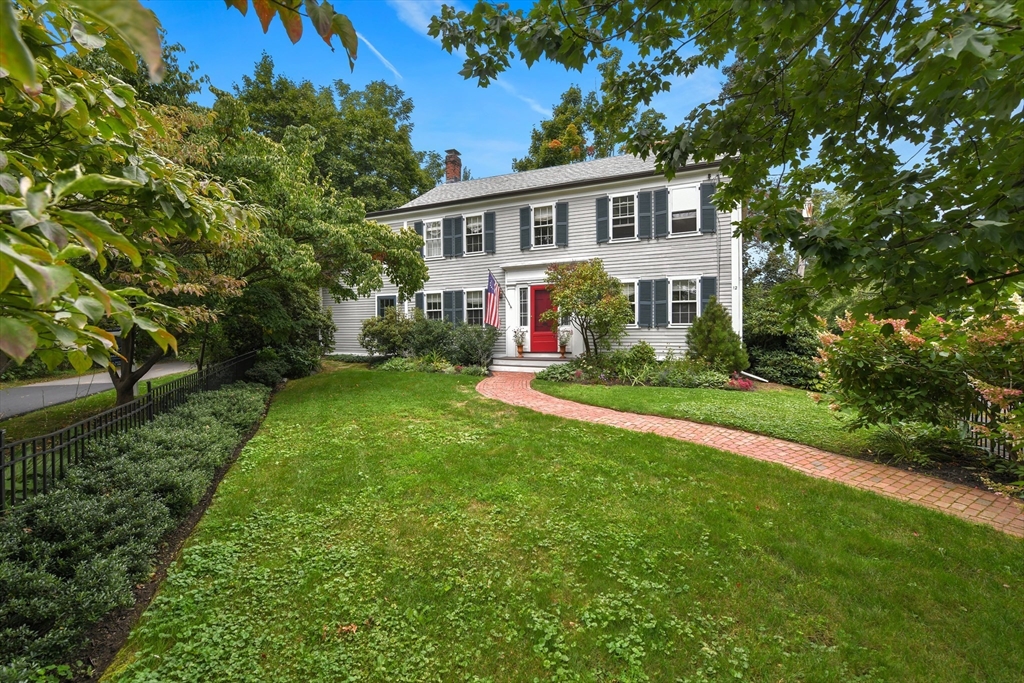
<point x="269" y="369"/>
<point x="367" y="152"/>
<point x="285" y="317"/>
<point x="386" y="335"/>
<point x="712" y="340"/>
<point x="559" y="372"/>
<point x="636" y="366"/>
<point x="778" y="354"/>
<point x="426" y="335"/>
<point x="70" y="556"/>
<point x="472" y="345"/>
<point x="32" y="368"/>
<point x="920" y="444"/>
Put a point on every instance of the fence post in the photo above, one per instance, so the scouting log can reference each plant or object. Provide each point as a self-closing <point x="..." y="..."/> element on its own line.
<point x="149" y="401"/>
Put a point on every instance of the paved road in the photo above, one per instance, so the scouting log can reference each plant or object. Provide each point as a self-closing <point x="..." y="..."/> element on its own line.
<point x="25" y="399"/>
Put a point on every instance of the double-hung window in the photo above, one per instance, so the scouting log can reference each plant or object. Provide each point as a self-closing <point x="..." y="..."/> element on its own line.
<point x="474" y="234"/>
<point x="623" y="217"/>
<point x="524" y="306"/>
<point x="629" y="291"/>
<point x="475" y="308"/>
<point x="684" y="301"/>
<point x="432" y="239"/>
<point x="685" y="201"/>
<point x="543" y="226"/>
<point x="432" y="305"/>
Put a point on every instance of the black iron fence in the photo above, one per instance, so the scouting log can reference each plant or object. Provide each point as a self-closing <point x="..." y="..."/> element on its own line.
<point x="981" y="424"/>
<point x="32" y="465"/>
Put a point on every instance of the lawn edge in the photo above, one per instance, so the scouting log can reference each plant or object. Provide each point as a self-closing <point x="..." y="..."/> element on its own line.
<point x="109" y="635"/>
<point x="861" y="455"/>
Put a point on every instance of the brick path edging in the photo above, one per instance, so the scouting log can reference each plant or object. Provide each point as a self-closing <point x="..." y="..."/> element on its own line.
<point x="975" y="505"/>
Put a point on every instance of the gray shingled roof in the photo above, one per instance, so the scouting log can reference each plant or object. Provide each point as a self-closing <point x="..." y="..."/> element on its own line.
<point x="598" y="169"/>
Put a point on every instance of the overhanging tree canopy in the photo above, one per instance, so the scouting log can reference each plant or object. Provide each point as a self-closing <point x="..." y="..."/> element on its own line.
<point x="913" y="109"/>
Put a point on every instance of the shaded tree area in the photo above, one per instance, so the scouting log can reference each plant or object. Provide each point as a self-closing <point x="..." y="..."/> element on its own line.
<point x="367" y="148"/>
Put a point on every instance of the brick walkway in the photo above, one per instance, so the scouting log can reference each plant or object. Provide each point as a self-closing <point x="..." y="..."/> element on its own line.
<point x="969" y="503"/>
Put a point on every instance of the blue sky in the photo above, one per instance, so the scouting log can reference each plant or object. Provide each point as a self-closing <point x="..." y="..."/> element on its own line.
<point x="489" y="126"/>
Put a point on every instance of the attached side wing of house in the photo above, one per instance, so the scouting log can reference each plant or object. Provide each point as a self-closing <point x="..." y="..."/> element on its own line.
<point x="665" y="240"/>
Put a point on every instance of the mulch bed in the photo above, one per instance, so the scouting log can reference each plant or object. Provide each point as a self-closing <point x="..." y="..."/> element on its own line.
<point x="110" y="634"/>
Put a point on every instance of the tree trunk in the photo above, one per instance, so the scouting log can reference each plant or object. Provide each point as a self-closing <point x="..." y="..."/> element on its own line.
<point x="124" y="378"/>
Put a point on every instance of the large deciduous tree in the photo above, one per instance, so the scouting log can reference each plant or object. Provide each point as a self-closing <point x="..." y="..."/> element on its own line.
<point x="578" y="130"/>
<point x="913" y="109"/>
<point x="367" y="150"/>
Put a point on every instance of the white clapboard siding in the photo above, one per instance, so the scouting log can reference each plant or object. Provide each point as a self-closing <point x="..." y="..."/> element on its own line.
<point x="691" y="255"/>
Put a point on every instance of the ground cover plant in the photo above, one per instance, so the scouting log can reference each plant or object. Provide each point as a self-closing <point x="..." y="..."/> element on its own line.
<point x="62" y="415"/>
<point x="399" y="527"/>
<point x="70" y="556"/>
<point x="789" y="414"/>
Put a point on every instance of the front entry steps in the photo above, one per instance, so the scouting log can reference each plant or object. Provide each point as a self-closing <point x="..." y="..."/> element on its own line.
<point x="530" y="362"/>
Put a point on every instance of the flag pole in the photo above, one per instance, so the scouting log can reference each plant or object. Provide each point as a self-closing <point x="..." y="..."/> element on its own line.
<point x="507" y="302"/>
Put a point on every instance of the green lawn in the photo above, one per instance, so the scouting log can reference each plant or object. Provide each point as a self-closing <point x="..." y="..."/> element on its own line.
<point x="399" y="527"/>
<point x="47" y="420"/>
<point x="783" y="413"/>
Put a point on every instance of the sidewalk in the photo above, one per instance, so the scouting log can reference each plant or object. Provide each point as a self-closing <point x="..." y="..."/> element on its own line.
<point x="25" y="399"/>
<point x="975" y="505"/>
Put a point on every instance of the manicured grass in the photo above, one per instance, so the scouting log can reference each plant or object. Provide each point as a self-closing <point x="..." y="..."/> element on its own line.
<point x="62" y="415"/>
<point x="780" y="412"/>
<point x="399" y="527"/>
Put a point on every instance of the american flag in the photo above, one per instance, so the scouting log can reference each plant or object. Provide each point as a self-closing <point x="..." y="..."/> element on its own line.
<point x="491" y="304"/>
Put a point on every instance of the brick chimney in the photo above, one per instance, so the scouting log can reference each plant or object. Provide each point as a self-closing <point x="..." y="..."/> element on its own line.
<point x="452" y="166"/>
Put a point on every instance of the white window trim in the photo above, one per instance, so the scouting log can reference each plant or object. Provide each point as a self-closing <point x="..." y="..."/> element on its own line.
<point x="636" y="302"/>
<point x="440" y="222"/>
<point x="465" y="305"/>
<point x="636" y="218"/>
<point x="533" y="226"/>
<point x="465" y="235"/>
<point x="671" y="279"/>
<point x="519" y="287"/>
<point x="440" y="293"/>
<point x="688" y="187"/>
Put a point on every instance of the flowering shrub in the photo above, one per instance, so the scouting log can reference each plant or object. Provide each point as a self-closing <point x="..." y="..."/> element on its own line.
<point x="941" y="372"/>
<point x="739" y="383"/>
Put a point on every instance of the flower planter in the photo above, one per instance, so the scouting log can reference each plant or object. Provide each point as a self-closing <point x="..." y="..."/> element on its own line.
<point x="519" y="350"/>
<point x="562" y="350"/>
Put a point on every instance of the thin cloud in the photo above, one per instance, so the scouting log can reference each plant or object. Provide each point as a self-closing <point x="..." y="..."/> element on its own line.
<point x="384" y="61"/>
<point x="415" y="14"/>
<point x="534" y="104"/>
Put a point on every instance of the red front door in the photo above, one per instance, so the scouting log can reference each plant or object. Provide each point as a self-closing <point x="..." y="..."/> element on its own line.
<point x="543" y="338"/>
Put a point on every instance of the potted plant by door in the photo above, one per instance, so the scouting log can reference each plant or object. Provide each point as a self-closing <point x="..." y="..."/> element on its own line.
<point x="564" y="339"/>
<point x="519" y="336"/>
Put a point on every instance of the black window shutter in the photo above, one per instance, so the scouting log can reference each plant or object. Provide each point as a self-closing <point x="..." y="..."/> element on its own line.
<point x="458" y="312"/>
<point x="380" y="307"/>
<point x="708" y="212"/>
<point x="446" y="237"/>
<point x="457" y="231"/>
<point x="525" y="238"/>
<point x="661" y="303"/>
<point x="419" y="301"/>
<point x="418" y="225"/>
<point x="446" y="306"/>
<point x="661" y="213"/>
<point x="643" y="215"/>
<point x="602" y="220"/>
<point x="489" y="221"/>
<point x="645" y="299"/>
<point x="562" y="224"/>
<point x="708" y="289"/>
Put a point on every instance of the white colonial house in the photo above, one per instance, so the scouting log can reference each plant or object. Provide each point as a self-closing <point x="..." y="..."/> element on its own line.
<point x="664" y="240"/>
